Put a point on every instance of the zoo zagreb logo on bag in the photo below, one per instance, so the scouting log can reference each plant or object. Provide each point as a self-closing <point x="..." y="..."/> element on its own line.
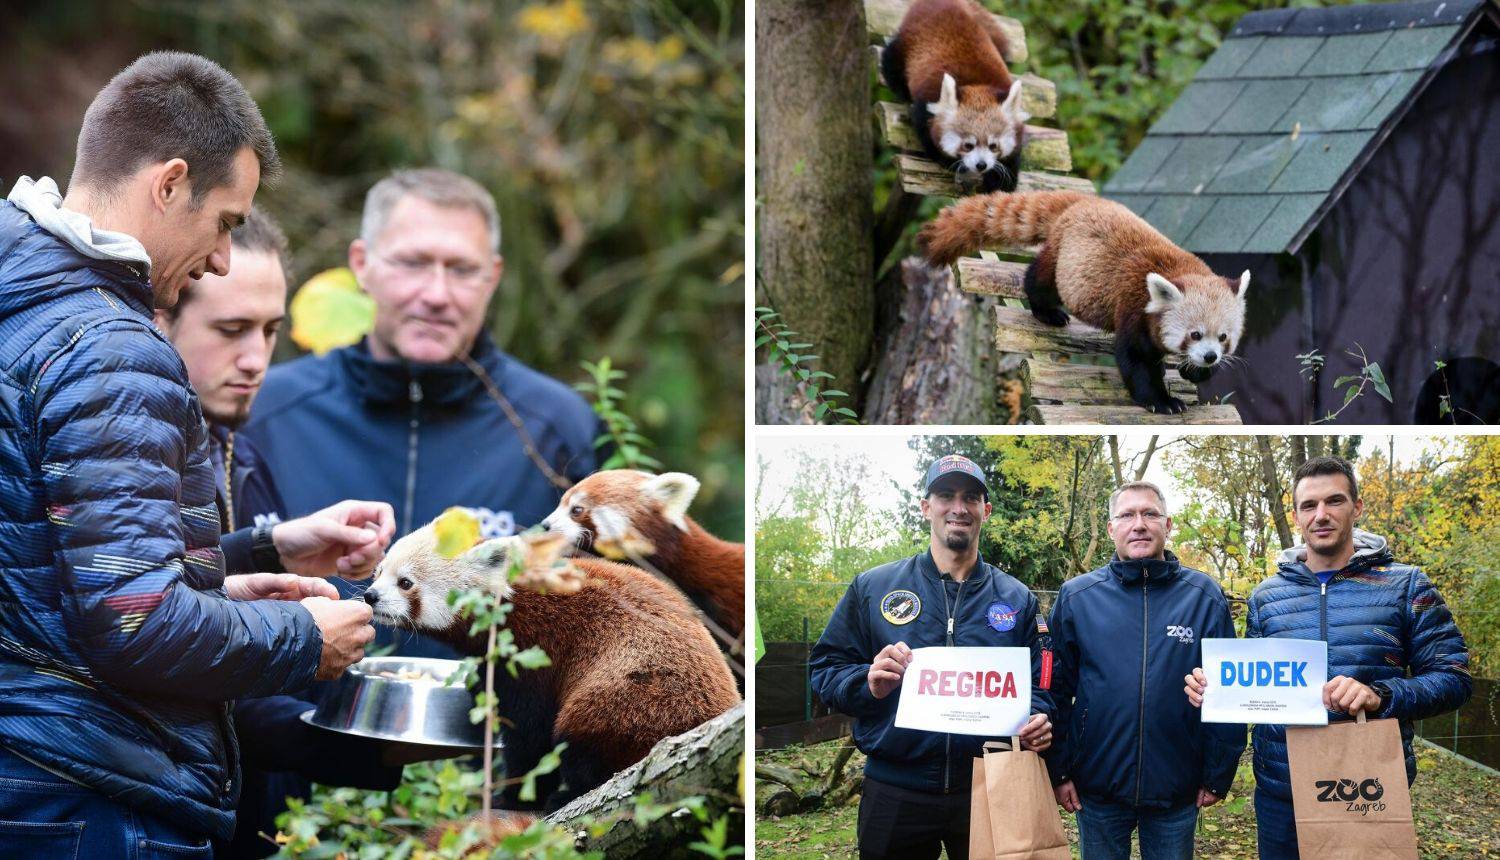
<point x="1362" y="797"/>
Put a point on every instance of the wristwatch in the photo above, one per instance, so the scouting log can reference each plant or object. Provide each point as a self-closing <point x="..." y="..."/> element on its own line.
<point x="1385" y="695"/>
<point x="263" y="553"/>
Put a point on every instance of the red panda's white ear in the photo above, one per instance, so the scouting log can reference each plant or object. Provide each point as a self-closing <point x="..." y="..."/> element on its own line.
<point x="1011" y="107"/>
<point x="492" y="553"/>
<point x="947" y="103"/>
<point x="1163" y="293"/>
<point x="675" y="491"/>
<point x="1244" y="284"/>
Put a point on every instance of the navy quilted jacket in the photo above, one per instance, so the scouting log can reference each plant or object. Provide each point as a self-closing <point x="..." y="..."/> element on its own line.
<point x="1385" y="626"/>
<point x="118" y="650"/>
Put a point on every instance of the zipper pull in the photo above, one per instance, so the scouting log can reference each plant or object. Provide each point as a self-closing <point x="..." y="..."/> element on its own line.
<point x="415" y="391"/>
<point x="950" y="626"/>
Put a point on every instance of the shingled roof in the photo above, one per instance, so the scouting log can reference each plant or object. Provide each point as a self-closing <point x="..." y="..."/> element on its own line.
<point x="1281" y="118"/>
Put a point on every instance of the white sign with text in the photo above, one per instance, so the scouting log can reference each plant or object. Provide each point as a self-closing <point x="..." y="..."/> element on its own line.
<point x="966" y="691"/>
<point x="1265" y="681"/>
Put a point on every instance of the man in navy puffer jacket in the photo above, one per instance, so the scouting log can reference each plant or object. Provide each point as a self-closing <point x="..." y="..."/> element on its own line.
<point x="1393" y="649"/>
<point x="118" y="649"/>
<point x="916" y="791"/>
<point x="1130" y="753"/>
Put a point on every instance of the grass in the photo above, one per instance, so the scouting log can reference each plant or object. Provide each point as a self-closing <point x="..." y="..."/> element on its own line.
<point x="1456" y="806"/>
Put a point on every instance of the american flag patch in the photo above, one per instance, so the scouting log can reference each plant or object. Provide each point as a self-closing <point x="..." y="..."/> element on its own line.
<point x="1041" y="625"/>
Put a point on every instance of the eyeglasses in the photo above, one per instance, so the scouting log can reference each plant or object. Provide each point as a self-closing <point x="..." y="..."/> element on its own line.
<point x="1151" y="517"/>
<point x="415" y="268"/>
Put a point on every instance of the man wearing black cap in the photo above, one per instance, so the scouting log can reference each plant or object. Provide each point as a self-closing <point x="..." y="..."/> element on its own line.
<point x="916" y="789"/>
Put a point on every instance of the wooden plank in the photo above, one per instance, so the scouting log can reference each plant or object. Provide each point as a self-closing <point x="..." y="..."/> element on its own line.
<point x="1038" y="95"/>
<point x="1016" y="330"/>
<point x="1042" y="148"/>
<point x="992" y="278"/>
<point x="1132" y="414"/>
<point x="920" y="176"/>
<point x="1096" y="384"/>
<point x="883" y="18"/>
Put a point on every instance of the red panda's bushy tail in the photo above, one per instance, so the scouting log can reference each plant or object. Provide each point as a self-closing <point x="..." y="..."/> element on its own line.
<point x="992" y="219"/>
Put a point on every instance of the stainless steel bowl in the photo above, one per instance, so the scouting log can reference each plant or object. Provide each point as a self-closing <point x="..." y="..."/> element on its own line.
<point x="402" y="699"/>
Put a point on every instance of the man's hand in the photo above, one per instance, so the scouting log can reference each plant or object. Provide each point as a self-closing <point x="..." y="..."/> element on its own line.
<point x="347" y="539"/>
<point x="1036" y="735"/>
<point x="345" y="625"/>
<point x="1196" y="684"/>
<point x="277" y="586"/>
<point x="1067" y="796"/>
<point x="887" y="668"/>
<point x="1345" y="695"/>
<point x="1207" y="798"/>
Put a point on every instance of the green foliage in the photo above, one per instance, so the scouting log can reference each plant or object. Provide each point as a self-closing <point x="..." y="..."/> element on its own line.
<point x="619" y="428"/>
<point x="789" y="357"/>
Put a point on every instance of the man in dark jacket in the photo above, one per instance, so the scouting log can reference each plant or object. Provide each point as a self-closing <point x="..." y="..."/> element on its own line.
<point x="1130" y="753"/>
<point x="118" y="650"/>
<point x="916" y="791"/>
<point x="1393" y="649"/>
<point x="225" y="328"/>
<point x="404" y="415"/>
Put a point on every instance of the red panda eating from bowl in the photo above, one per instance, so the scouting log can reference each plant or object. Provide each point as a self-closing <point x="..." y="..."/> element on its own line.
<point x="630" y="664"/>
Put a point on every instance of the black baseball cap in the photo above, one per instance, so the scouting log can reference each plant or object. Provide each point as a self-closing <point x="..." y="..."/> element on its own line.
<point x="956" y="463"/>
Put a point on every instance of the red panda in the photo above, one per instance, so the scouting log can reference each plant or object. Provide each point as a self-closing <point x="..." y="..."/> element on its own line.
<point x="630" y="662"/>
<point x="1113" y="271"/>
<point x="610" y="505"/>
<point x="947" y="60"/>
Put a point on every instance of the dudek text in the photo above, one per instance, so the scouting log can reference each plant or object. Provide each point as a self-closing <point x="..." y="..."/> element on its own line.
<point x="988" y="685"/>
<point x="1263" y="673"/>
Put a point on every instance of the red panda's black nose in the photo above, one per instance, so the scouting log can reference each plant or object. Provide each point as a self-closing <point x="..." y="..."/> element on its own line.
<point x="371" y="597"/>
<point x="1211" y="358"/>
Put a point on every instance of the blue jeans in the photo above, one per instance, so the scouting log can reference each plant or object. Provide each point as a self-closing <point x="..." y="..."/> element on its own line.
<point x="42" y="816"/>
<point x="1275" y="827"/>
<point x="1166" y="834"/>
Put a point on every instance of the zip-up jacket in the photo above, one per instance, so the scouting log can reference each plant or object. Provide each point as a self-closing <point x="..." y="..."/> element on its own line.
<point x="934" y="610"/>
<point x="1125" y="635"/>
<point x="1386" y="627"/>
<point x="274" y="741"/>
<point x="422" y="437"/>
<point x="118" y="650"/>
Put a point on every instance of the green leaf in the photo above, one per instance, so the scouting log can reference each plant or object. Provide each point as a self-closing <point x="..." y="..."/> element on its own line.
<point x="820" y="411"/>
<point x="846" y="412"/>
<point x="1377" y="377"/>
<point x="834" y="392"/>
<point x="548" y="764"/>
<point x="1350" y="393"/>
<point x="1345" y="380"/>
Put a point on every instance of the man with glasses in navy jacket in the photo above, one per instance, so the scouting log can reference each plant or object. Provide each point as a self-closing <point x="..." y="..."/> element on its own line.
<point x="1130" y="753"/>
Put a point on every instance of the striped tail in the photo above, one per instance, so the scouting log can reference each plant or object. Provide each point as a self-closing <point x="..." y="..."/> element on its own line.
<point x="992" y="219"/>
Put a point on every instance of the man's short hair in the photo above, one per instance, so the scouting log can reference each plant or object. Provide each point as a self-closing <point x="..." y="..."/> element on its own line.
<point x="1137" y="485"/>
<point x="167" y="105"/>
<point x="260" y="234"/>
<point x="435" y="185"/>
<point x="1326" y="466"/>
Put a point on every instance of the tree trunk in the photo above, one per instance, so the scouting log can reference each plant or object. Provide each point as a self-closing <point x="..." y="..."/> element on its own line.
<point x="814" y="139"/>
<point x="1273" y="491"/>
<point x="936" y="357"/>
<point x="706" y="761"/>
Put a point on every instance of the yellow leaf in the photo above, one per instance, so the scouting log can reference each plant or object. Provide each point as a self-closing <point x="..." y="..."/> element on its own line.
<point x="330" y="310"/>
<point x="457" y="532"/>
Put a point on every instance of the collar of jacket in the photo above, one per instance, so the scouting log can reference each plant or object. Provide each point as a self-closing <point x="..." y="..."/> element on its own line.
<point x="448" y="383"/>
<point x="1132" y="571"/>
<point x="1299" y="572"/>
<point x="929" y="568"/>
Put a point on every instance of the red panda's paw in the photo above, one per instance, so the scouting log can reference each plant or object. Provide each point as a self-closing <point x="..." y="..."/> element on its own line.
<point x="499" y="827"/>
<point x="1168" y="405"/>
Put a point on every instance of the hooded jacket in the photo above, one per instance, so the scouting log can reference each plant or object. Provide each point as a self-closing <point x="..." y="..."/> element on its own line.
<point x="118" y="650"/>
<point x="1381" y="620"/>
<point x="989" y="608"/>
<point x="420" y="436"/>
<point x="1125" y="635"/>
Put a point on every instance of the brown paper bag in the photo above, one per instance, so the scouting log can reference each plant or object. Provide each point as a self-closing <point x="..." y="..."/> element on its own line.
<point x="1012" y="813"/>
<point x="1349" y="791"/>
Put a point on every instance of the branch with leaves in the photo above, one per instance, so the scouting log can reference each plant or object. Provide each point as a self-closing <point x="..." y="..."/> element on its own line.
<point x="619" y="428"/>
<point x="789" y="358"/>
